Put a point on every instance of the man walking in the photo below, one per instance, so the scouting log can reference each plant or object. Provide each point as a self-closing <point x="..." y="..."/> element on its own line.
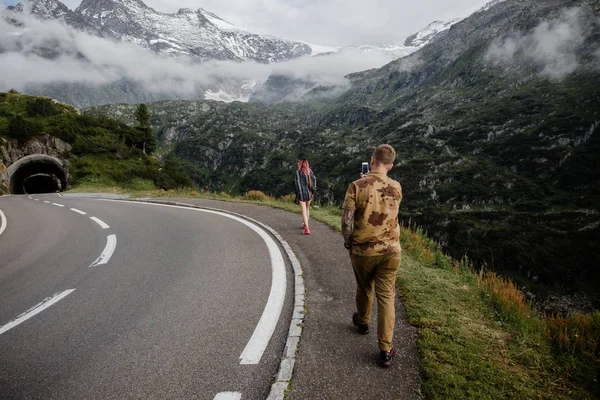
<point x="371" y="234"/>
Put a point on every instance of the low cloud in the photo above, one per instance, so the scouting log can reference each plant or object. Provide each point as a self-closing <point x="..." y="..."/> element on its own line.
<point x="409" y="63"/>
<point x="47" y="52"/>
<point x="552" y="46"/>
<point x="332" y="68"/>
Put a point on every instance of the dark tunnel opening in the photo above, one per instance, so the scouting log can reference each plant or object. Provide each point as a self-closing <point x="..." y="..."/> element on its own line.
<point x="41" y="183"/>
<point x="38" y="176"/>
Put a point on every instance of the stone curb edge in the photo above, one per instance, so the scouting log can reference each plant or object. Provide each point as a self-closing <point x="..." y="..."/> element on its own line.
<point x="286" y="367"/>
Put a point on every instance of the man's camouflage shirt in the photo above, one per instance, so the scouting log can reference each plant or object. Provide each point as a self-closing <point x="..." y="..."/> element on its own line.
<point x="375" y="199"/>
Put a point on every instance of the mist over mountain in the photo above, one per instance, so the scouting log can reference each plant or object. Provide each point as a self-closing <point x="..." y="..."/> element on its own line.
<point x="123" y="51"/>
<point x="496" y="124"/>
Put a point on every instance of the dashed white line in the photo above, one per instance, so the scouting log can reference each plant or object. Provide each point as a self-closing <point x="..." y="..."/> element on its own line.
<point x="111" y="244"/>
<point x="46" y="201"/>
<point x="58" y="205"/>
<point x="2" y="222"/>
<point x="100" y="222"/>
<point x="36" y="310"/>
<point x="228" y="396"/>
<point x="263" y="332"/>
<point x="78" y="211"/>
<point x="37" y="199"/>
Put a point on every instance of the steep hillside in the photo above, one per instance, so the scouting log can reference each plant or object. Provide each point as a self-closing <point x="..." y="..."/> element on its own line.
<point x="98" y="150"/>
<point x="496" y="127"/>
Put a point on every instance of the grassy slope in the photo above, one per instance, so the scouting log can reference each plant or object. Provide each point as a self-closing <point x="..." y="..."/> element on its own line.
<point x="477" y="337"/>
<point x="104" y="151"/>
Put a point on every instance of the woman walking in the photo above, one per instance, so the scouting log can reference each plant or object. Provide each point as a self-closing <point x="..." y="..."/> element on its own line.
<point x="306" y="185"/>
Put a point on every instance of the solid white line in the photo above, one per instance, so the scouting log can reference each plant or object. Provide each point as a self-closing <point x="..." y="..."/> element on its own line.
<point x="58" y="205"/>
<point x="268" y="321"/>
<point x="228" y="396"/>
<point x="2" y="222"/>
<point x="263" y="332"/>
<point x="100" y="222"/>
<point x="36" y="310"/>
<point x="78" y="211"/>
<point x="111" y="244"/>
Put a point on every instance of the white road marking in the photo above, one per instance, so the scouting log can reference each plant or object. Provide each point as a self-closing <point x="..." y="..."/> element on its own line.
<point x="46" y="201"/>
<point x="58" y="205"/>
<point x="29" y="197"/>
<point x="228" y="396"/>
<point x="60" y="195"/>
<point x="78" y="211"/>
<point x="263" y="332"/>
<point x="2" y="222"/>
<point x="36" y="310"/>
<point x="37" y="199"/>
<point x="100" y="222"/>
<point x="111" y="244"/>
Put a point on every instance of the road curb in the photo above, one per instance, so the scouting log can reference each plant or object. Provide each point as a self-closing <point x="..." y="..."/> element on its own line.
<point x="288" y="360"/>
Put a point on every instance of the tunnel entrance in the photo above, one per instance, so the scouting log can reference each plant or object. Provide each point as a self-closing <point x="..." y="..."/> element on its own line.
<point x="41" y="183"/>
<point x="38" y="173"/>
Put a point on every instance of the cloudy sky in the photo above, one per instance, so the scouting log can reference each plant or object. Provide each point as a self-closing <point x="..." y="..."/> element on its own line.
<point x="325" y="22"/>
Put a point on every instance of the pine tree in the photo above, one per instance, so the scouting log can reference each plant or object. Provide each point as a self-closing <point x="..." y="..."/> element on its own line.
<point x="148" y="140"/>
<point x="142" y="115"/>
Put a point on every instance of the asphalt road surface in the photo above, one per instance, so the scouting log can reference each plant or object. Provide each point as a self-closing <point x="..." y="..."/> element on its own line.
<point x="117" y="300"/>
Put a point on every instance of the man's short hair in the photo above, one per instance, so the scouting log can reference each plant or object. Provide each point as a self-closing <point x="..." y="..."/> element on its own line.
<point x="384" y="154"/>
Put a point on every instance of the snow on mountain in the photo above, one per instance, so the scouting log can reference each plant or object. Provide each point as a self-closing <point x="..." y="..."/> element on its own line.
<point x="425" y="36"/>
<point x="198" y="34"/>
<point x="411" y="44"/>
<point x="44" y="9"/>
<point x="196" y="37"/>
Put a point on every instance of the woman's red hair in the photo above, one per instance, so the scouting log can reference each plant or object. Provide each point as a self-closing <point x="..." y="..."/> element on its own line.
<point x="304" y="167"/>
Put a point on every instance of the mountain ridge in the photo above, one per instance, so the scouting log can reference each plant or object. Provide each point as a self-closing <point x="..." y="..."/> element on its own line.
<point x="193" y="33"/>
<point x="168" y="35"/>
<point x="497" y="153"/>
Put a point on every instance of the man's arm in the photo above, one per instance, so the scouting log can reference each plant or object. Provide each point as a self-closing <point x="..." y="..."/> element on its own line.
<point x="347" y="226"/>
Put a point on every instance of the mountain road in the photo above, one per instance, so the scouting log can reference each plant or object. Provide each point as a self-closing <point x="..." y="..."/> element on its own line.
<point x="168" y="306"/>
<point x="116" y="300"/>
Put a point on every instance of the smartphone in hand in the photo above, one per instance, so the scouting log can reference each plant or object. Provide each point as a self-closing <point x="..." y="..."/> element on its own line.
<point x="365" y="168"/>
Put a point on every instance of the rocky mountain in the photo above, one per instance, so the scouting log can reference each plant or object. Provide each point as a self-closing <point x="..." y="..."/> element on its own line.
<point x="189" y="36"/>
<point x="496" y="125"/>
<point x="281" y="87"/>
<point x="199" y="34"/>
<point x="193" y="37"/>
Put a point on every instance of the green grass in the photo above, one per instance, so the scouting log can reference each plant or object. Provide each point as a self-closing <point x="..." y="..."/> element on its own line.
<point x="477" y="336"/>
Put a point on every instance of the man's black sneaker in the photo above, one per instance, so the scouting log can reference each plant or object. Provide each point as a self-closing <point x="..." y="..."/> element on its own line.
<point x="387" y="357"/>
<point x="362" y="328"/>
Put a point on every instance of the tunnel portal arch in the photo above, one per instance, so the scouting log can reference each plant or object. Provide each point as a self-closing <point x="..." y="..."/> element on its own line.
<point x="35" y="165"/>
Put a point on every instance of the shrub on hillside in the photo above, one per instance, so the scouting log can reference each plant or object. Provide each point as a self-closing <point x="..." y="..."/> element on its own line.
<point x="23" y="129"/>
<point x="172" y="176"/>
<point x="256" y="195"/>
<point x="577" y="339"/>
<point x="41" y="107"/>
<point x="102" y="142"/>
<point x="288" y="198"/>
